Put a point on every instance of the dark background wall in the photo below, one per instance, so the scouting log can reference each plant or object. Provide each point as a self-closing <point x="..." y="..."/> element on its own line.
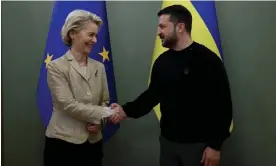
<point x="248" y="38"/>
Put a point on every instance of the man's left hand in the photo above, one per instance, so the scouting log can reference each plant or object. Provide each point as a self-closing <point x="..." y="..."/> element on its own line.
<point x="210" y="157"/>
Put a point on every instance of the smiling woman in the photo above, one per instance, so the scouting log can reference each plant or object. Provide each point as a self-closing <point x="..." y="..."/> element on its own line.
<point x="73" y="136"/>
<point x="81" y="28"/>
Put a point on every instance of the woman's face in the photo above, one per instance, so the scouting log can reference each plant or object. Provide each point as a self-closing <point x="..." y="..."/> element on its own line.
<point x="85" y="38"/>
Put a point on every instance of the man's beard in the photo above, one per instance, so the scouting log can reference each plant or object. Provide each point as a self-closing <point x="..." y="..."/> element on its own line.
<point x="169" y="41"/>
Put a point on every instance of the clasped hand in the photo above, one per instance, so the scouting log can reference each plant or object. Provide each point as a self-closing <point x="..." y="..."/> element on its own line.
<point x="120" y="114"/>
<point x="93" y="128"/>
<point x="115" y="118"/>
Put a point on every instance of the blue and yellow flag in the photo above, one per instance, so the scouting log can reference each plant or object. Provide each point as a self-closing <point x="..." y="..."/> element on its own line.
<point x="56" y="48"/>
<point x="204" y="30"/>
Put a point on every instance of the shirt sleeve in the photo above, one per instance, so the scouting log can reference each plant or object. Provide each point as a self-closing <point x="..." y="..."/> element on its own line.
<point x="105" y="95"/>
<point x="145" y="102"/>
<point x="221" y="103"/>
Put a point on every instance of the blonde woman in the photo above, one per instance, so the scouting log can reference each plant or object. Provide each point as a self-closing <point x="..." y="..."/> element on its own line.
<point x="80" y="95"/>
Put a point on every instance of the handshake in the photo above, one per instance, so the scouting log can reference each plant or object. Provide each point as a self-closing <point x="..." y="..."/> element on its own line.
<point x="114" y="113"/>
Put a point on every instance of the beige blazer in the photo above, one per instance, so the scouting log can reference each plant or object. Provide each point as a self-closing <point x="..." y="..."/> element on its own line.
<point x="78" y="99"/>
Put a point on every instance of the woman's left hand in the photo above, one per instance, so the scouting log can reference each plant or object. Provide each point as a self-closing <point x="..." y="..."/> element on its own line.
<point x="93" y="128"/>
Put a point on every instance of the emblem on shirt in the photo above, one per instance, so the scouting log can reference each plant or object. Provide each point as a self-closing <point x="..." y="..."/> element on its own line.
<point x="186" y="71"/>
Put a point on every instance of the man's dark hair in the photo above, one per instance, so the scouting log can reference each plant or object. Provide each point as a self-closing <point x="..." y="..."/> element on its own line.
<point x="178" y="14"/>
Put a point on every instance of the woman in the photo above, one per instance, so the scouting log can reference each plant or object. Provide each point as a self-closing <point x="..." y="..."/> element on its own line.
<point x="80" y="94"/>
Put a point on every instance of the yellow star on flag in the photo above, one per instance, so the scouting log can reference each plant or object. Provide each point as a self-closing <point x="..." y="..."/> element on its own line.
<point x="48" y="59"/>
<point x="104" y="54"/>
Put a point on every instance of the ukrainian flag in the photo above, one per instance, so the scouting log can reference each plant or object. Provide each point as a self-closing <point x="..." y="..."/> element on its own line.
<point x="204" y="30"/>
<point x="56" y="48"/>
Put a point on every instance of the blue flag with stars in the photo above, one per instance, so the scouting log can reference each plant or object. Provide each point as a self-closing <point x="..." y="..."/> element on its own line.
<point x="55" y="48"/>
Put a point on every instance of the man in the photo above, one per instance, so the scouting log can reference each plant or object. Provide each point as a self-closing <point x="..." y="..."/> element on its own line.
<point x="191" y="85"/>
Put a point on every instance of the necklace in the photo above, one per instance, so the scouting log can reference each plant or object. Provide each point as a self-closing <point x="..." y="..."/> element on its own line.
<point x="82" y="64"/>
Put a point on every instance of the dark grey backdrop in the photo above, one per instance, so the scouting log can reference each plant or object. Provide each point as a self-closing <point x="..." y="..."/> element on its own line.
<point x="248" y="37"/>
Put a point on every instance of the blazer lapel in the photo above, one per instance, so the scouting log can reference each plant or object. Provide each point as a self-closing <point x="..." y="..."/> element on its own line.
<point x="91" y="69"/>
<point x="73" y="62"/>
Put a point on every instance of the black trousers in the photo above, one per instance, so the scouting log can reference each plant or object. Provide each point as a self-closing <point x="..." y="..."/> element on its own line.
<point x="58" y="152"/>
<point x="175" y="154"/>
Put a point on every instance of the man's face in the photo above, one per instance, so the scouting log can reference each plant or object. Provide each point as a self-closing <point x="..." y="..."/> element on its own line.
<point x="166" y="31"/>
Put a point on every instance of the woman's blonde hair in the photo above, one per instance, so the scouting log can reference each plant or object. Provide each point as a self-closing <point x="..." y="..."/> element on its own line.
<point x="75" y="21"/>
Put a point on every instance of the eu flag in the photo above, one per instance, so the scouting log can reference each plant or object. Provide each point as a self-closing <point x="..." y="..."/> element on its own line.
<point x="56" y="48"/>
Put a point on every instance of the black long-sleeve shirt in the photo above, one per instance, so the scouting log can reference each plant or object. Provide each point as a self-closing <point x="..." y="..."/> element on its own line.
<point x="192" y="88"/>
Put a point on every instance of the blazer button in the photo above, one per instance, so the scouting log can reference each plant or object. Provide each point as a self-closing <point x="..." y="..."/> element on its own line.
<point x="88" y="93"/>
